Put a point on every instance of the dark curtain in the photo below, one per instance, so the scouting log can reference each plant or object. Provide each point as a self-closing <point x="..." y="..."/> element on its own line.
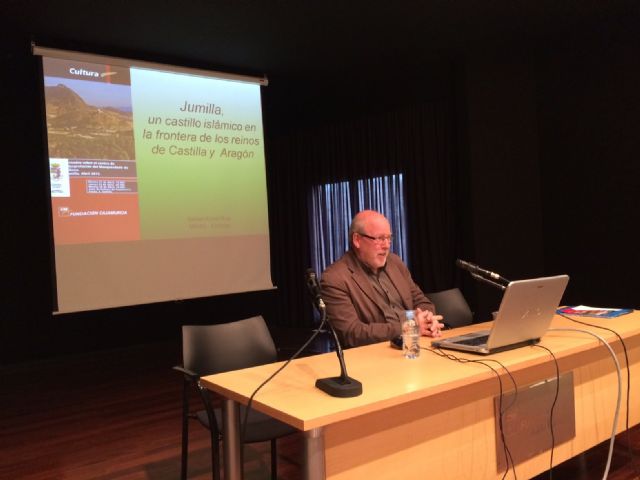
<point x="417" y="141"/>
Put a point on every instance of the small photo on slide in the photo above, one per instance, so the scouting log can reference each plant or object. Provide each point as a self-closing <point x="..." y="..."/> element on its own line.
<point x="59" y="177"/>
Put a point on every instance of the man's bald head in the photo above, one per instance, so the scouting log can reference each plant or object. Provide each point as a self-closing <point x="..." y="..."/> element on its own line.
<point x="370" y="237"/>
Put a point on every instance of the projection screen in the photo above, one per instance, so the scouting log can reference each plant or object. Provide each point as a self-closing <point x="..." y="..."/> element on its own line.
<point x="158" y="183"/>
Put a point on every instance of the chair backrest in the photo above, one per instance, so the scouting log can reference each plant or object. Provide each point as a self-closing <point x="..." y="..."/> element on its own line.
<point x="452" y="306"/>
<point x="209" y="349"/>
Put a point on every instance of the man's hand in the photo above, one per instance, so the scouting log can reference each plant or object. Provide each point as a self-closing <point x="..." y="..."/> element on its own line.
<point x="430" y="325"/>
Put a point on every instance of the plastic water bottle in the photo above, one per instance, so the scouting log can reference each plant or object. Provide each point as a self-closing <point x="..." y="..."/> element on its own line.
<point x="410" y="335"/>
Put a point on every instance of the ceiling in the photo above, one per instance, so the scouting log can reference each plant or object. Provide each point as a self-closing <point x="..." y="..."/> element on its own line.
<point x="329" y="47"/>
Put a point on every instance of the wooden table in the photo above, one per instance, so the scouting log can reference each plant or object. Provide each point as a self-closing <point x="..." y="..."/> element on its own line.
<point x="431" y="416"/>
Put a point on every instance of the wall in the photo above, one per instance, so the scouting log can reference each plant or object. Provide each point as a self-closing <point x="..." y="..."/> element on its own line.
<point x="548" y="144"/>
<point x="551" y="153"/>
<point x="504" y="175"/>
<point x="589" y="99"/>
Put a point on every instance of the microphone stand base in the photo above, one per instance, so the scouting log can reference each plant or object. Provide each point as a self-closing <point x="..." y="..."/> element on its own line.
<point x="343" y="387"/>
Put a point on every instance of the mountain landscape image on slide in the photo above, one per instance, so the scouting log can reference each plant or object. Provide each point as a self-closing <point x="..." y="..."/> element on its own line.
<point x="79" y="130"/>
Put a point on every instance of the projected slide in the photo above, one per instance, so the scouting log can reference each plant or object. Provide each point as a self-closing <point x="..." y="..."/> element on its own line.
<point x="158" y="182"/>
<point x="145" y="154"/>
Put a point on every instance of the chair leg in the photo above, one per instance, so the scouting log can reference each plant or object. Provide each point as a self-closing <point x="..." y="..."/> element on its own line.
<point x="185" y="432"/>
<point x="215" y="455"/>
<point x="274" y="460"/>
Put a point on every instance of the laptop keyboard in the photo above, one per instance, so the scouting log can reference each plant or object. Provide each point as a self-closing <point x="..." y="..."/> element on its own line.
<point x="481" y="340"/>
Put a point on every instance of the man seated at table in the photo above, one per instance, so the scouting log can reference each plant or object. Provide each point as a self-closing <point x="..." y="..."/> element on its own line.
<point x="367" y="291"/>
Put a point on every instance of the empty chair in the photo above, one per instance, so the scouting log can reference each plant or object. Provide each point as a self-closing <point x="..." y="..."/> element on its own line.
<point x="210" y="349"/>
<point x="452" y="306"/>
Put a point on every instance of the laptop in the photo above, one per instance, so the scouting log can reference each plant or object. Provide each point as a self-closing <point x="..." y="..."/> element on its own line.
<point x="524" y="316"/>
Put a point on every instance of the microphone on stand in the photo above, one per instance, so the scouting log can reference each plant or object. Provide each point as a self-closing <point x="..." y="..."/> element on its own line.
<point x="483" y="275"/>
<point x="488" y="281"/>
<point x="342" y="386"/>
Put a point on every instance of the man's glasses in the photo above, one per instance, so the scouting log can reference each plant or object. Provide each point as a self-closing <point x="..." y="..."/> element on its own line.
<point x="378" y="240"/>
